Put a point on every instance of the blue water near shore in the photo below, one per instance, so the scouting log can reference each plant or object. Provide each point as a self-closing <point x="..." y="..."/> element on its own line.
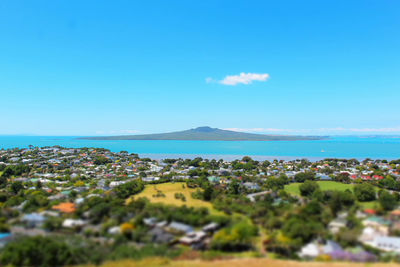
<point x="335" y="147"/>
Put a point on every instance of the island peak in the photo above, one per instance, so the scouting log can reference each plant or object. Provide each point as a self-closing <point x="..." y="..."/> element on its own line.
<point x="206" y="133"/>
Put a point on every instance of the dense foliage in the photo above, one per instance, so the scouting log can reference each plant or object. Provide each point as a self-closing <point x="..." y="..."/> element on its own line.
<point x="308" y="188"/>
<point x="47" y="251"/>
<point x="129" y="189"/>
<point x="57" y="251"/>
<point x="364" y="192"/>
<point x="236" y="237"/>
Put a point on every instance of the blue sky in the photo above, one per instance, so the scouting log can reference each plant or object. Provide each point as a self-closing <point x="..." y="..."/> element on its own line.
<point x="118" y="67"/>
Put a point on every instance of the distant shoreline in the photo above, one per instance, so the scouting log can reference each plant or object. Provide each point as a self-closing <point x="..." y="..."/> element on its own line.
<point x="160" y="156"/>
<point x="335" y="147"/>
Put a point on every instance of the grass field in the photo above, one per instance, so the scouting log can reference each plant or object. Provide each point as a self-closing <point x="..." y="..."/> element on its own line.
<point x="324" y="185"/>
<point x="249" y="262"/>
<point x="330" y="185"/>
<point x="169" y="189"/>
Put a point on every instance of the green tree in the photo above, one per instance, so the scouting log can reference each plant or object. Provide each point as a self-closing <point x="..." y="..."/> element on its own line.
<point x="16" y="187"/>
<point x="8" y="172"/>
<point x="246" y="159"/>
<point x="3" y="181"/>
<point x="343" y="177"/>
<point x="276" y="184"/>
<point x="129" y="188"/>
<point x="53" y="223"/>
<point x="308" y="188"/>
<point x="98" y="212"/>
<point x="364" y="192"/>
<point x="338" y="200"/>
<point x="234" y="187"/>
<point x="387" y="200"/>
<point x="302" y="230"/>
<point x="37" y="251"/>
<point x="101" y="160"/>
<point x="303" y="176"/>
<point x="235" y="238"/>
<point x="208" y="193"/>
<point x="389" y="183"/>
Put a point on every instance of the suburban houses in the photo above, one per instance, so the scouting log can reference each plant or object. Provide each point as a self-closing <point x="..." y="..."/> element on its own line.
<point x="101" y="196"/>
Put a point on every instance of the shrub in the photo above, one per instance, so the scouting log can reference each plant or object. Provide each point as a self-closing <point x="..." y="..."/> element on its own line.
<point x="364" y="192"/>
<point x="48" y="251"/>
<point x="308" y="188"/>
<point x="127" y="228"/>
<point x="387" y="200"/>
<point x="235" y="238"/>
<point x="128" y="189"/>
<point x="303" y="176"/>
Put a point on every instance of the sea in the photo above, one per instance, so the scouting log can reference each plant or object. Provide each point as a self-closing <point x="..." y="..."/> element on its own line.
<point x="344" y="147"/>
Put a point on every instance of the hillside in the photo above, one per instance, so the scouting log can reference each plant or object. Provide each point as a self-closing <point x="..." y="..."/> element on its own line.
<point x="210" y="134"/>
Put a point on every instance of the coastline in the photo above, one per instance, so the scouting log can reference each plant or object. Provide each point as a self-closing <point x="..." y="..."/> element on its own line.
<point x="338" y="147"/>
<point x="160" y="156"/>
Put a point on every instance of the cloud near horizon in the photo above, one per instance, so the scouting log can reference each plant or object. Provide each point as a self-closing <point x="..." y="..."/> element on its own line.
<point x="242" y="78"/>
<point x="318" y="130"/>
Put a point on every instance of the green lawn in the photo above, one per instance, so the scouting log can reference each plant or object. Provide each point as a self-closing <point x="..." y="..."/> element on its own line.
<point x="330" y="185"/>
<point x="324" y="185"/>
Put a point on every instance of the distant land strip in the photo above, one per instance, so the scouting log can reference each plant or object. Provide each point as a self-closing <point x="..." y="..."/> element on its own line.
<point x="208" y="134"/>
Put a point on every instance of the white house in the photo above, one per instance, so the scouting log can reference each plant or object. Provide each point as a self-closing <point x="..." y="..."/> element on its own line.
<point x="117" y="183"/>
<point x="71" y="223"/>
<point x="386" y="243"/>
<point x="311" y="250"/>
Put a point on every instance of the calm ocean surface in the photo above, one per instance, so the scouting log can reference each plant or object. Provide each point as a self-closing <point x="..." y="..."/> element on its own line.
<point x="336" y="147"/>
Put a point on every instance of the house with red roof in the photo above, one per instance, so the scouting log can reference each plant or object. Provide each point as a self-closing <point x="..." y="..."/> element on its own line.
<point x="370" y="211"/>
<point x="377" y="177"/>
<point x="366" y="177"/>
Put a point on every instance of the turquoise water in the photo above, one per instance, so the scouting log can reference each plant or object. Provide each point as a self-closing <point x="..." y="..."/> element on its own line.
<point x="336" y="147"/>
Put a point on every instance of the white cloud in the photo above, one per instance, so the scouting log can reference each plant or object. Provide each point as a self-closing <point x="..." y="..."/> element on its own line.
<point x="242" y="78"/>
<point x="335" y="130"/>
<point x="256" y="130"/>
<point x="380" y="130"/>
<point x="361" y="130"/>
